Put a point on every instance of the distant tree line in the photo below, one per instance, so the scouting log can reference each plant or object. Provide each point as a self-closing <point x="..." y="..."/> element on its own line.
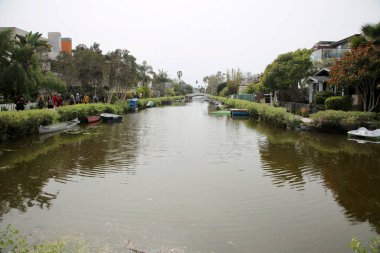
<point x="26" y="70"/>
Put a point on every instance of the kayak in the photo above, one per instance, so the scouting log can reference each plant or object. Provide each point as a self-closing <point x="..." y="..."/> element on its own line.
<point x="58" y="127"/>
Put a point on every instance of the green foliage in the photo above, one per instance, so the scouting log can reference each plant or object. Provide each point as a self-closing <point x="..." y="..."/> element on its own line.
<point x="220" y="87"/>
<point x="83" y="110"/>
<point x="357" y="246"/>
<point x="341" y="121"/>
<point x="52" y="83"/>
<point x="159" y="101"/>
<point x="276" y="115"/>
<point x="143" y="91"/>
<point x="11" y="240"/>
<point x="343" y="103"/>
<point x="20" y="71"/>
<point x="285" y="73"/>
<point x="224" y="92"/>
<point x="321" y="96"/>
<point x="360" y="68"/>
<point x="18" y="123"/>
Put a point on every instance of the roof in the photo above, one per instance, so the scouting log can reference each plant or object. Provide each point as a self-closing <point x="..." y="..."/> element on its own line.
<point x="323" y="72"/>
<point x="317" y="79"/>
<point x="337" y="43"/>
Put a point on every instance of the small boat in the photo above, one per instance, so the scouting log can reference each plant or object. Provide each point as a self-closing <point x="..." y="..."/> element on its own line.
<point x="134" y="104"/>
<point x="239" y="113"/>
<point x="92" y="119"/>
<point x="111" y="118"/>
<point x="150" y="104"/>
<point x="221" y="112"/>
<point x="364" y="133"/>
<point x="58" y="127"/>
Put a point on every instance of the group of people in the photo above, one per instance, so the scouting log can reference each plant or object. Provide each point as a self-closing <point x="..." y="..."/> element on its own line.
<point x="50" y="102"/>
<point x="56" y="100"/>
<point x="84" y="99"/>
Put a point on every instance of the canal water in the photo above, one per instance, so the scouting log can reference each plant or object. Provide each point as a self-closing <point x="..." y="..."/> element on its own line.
<point x="177" y="179"/>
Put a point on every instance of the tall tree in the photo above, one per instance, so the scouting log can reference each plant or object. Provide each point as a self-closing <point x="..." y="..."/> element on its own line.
<point x="285" y="73"/>
<point x="89" y="64"/>
<point x="21" y="72"/>
<point x="144" y="73"/>
<point x="160" y="81"/>
<point x="360" y="68"/>
<point x="370" y="34"/>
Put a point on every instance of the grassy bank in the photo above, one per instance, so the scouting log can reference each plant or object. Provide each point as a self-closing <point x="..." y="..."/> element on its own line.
<point x="274" y="115"/>
<point x="159" y="101"/>
<point x="341" y="121"/>
<point x="18" y="123"/>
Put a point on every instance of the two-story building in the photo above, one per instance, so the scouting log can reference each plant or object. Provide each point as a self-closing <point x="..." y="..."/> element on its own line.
<point x="321" y="51"/>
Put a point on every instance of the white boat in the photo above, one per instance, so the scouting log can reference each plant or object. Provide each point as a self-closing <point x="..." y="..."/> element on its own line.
<point x="111" y="118"/>
<point x="365" y="133"/>
<point x="58" y="127"/>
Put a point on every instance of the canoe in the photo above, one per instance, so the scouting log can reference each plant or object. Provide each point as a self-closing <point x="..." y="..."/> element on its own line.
<point x="221" y="112"/>
<point x="111" y="118"/>
<point x="150" y="104"/>
<point x="58" y="127"/>
<point x="239" y="113"/>
<point x="92" y="119"/>
<point x="364" y="133"/>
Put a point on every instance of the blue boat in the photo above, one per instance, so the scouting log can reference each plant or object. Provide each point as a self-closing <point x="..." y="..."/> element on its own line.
<point x="134" y="103"/>
<point x="239" y="113"/>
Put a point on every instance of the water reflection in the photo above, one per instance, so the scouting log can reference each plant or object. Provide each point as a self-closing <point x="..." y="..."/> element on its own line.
<point x="349" y="169"/>
<point x="27" y="164"/>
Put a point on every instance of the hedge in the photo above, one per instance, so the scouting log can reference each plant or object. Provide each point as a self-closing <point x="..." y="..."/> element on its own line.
<point x="18" y="123"/>
<point x="275" y="115"/>
<point x="343" y="103"/>
<point x="159" y="101"/>
<point x="330" y="120"/>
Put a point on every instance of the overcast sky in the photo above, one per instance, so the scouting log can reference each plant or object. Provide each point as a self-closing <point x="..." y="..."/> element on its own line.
<point x="198" y="37"/>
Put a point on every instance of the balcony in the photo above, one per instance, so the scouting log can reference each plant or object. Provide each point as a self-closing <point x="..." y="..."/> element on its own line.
<point x="327" y="53"/>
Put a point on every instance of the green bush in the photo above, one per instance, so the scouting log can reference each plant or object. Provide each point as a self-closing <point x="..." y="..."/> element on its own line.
<point x="343" y="103"/>
<point x="159" y="101"/>
<point x="18" y="123"/>
<point x="321" y="96"/>
<point x="276" y="115"/>
<point x="81" y="111"/>
<point x="341" y="121"/>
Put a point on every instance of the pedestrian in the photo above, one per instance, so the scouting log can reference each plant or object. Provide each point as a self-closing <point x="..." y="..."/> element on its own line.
<point x="20" y="103"/>
<point x="54" y="98"/>
<point x="95" y="99"/>
<point x="50" y="102"/>
<point x="72" y="99"/>
<point x="77" y="98"/>
<point x="86" y="99"/>
<point x="59" y="100"/>
<point x="40" y="101"/>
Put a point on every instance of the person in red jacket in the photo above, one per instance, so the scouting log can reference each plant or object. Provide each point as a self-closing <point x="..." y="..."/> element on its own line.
<point x="59" y="100"/>
<point x="54" y="100"/>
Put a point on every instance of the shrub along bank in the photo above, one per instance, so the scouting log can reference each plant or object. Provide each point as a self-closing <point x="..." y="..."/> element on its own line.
<point x="324" y="121"/>
<point x="275" y="115"/>
<point x="159" y="101"/>
<point x="19" y="123"/>
<point x="339" y="121"/>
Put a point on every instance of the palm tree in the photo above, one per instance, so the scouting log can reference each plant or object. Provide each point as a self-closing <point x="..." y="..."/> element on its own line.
<point x="144" y="72"/>
<point x="179" y="74"/>
<point x="370" y="34"/>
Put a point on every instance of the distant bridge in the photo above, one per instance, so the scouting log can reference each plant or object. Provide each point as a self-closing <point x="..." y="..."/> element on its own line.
<point x="197" y="95"/>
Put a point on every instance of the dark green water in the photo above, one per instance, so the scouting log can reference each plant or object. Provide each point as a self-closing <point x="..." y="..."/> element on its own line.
<point x="177" y="179"/>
